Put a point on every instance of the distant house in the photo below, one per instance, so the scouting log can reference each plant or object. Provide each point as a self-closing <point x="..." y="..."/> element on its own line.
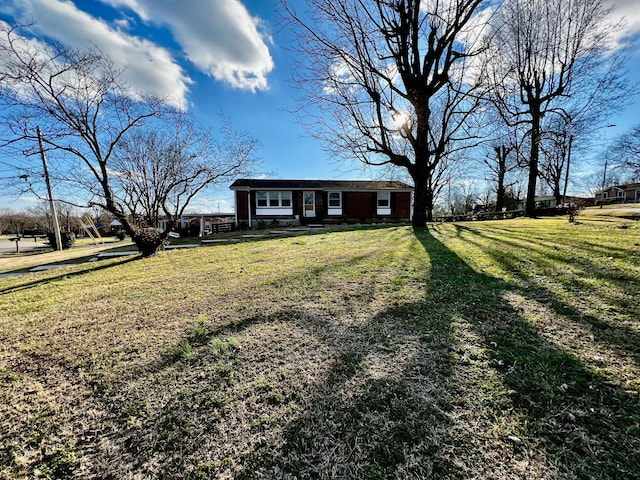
<point x="207" y="223"/>
<point x="290" y="202"/>
<point x="629" y="193"/>
<point x="201" y="224"/>
<point x="549" y="201"/>
<point x="115" y="226"/>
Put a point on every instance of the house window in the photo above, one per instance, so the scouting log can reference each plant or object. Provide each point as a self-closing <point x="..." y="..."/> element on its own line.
<point x="605" y="195"/>
<point x="335" y="199"/>
<point x="273" y="199"/>
<point x="638" y="195"/>
<point x="620" y="193"/>
<point x="384" y="203"/>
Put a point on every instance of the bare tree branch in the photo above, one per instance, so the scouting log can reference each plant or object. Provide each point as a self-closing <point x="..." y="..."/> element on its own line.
<point x="391" y="83"/>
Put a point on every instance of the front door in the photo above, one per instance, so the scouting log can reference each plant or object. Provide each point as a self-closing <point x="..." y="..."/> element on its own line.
<point x="309" y="204"/>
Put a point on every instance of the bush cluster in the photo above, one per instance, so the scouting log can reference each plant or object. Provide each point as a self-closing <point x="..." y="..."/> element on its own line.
<point x="67" y="239"/>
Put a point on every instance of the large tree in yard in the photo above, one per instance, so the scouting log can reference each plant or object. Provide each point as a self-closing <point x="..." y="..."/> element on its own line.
<point x="90" y="121"/>
<point x="391" y="83"/>
<point x="549" y="58"/>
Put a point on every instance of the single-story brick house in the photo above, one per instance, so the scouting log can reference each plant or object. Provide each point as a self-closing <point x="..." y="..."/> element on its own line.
<point x="290" y="202"/>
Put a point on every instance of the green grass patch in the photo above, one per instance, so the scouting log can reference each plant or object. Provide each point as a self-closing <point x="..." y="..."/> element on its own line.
<point x="475" y="350"/>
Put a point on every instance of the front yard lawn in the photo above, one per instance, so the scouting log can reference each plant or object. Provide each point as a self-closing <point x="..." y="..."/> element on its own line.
<point x="499" y="350"/>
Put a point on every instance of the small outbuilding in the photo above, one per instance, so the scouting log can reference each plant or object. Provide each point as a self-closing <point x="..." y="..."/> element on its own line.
<point x="290" y="202"/>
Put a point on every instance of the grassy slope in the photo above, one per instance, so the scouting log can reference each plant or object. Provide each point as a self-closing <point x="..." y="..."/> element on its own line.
<point x="479" y="350"/>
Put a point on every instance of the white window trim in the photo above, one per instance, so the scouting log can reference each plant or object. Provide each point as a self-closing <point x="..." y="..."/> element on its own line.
<point x="269" y="211"/>
<point x="334" y="210"/>
<point x="605" y="195"/>
<point x="383" y="210"/>
<point x="266" y="197"/>
<point x="269" y="194"/>
<point x="621" y="194"/>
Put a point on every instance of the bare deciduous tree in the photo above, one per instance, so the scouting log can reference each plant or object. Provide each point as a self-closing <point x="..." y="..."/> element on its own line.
<point x="546" y="51"/>
<point x="626" y="149"/>
<point x="79" y="102"/>
<point x="556" y="146"/>
<point x="392" y="82"/>
<point x="161" y="170"/>
<point x="500" y="164"/>
<point x="86" y="113"/>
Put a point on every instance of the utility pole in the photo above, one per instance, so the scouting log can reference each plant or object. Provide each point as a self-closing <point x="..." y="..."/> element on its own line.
<point x="604" y="176"/>
<point x="566" y="177"/>
<point x="56" y="225"/>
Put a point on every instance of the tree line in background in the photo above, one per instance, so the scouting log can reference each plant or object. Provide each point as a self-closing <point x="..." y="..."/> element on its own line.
<point x="37" y="221"/>
<point x="434" y="91"/>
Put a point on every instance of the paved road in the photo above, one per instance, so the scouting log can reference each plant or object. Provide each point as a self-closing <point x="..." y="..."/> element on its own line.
<point x="25" y="244"/>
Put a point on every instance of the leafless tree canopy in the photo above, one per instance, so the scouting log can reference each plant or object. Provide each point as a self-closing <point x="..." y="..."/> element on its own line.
<point x="160" y="170"/>
<point x="548" y="58"/>
<point x="393" y="82"/>
<point x="79" y="102"/>
<point x="626" y="149"/>
<point x="97" y="128"/>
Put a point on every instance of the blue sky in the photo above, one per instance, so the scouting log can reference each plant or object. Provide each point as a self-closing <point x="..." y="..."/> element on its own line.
<point x="220" y="56"/>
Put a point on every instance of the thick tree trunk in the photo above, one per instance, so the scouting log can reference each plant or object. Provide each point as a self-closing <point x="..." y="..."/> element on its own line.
<point x="500" y="196"/>
<point x="530" y="207"/>
<point x="422" y="200"/>
<point x="501" y="154"/>
<point x="429" y="202"/>
<point x="557" y="194"/>
<point x="419" y="217"/>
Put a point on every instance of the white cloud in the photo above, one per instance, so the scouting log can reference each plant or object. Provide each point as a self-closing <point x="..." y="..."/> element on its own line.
<point x="148" y="67"/>
<point x="122" y="24"/>
<point x="477" y="28"/>
<point x="629" y="10"/>
<point x="220" y="38"/>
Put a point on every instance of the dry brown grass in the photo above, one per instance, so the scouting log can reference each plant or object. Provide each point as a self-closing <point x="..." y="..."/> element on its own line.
<point x="373" y="353"/>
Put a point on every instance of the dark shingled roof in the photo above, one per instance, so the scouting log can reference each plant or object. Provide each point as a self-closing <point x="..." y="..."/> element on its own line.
<point x="364" y="185"/>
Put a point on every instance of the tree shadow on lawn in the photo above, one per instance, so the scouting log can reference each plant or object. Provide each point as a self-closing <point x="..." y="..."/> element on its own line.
<point x="90" y="267"/>
<point x="380" y="410"/>
<point x="502" y="401"/>
<point x="552" y="252"/>
<point x="457" y="385"/>
<point x="623" y="339"/>
<point x="348" y="401"/>
<point x="586" y="425"/>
